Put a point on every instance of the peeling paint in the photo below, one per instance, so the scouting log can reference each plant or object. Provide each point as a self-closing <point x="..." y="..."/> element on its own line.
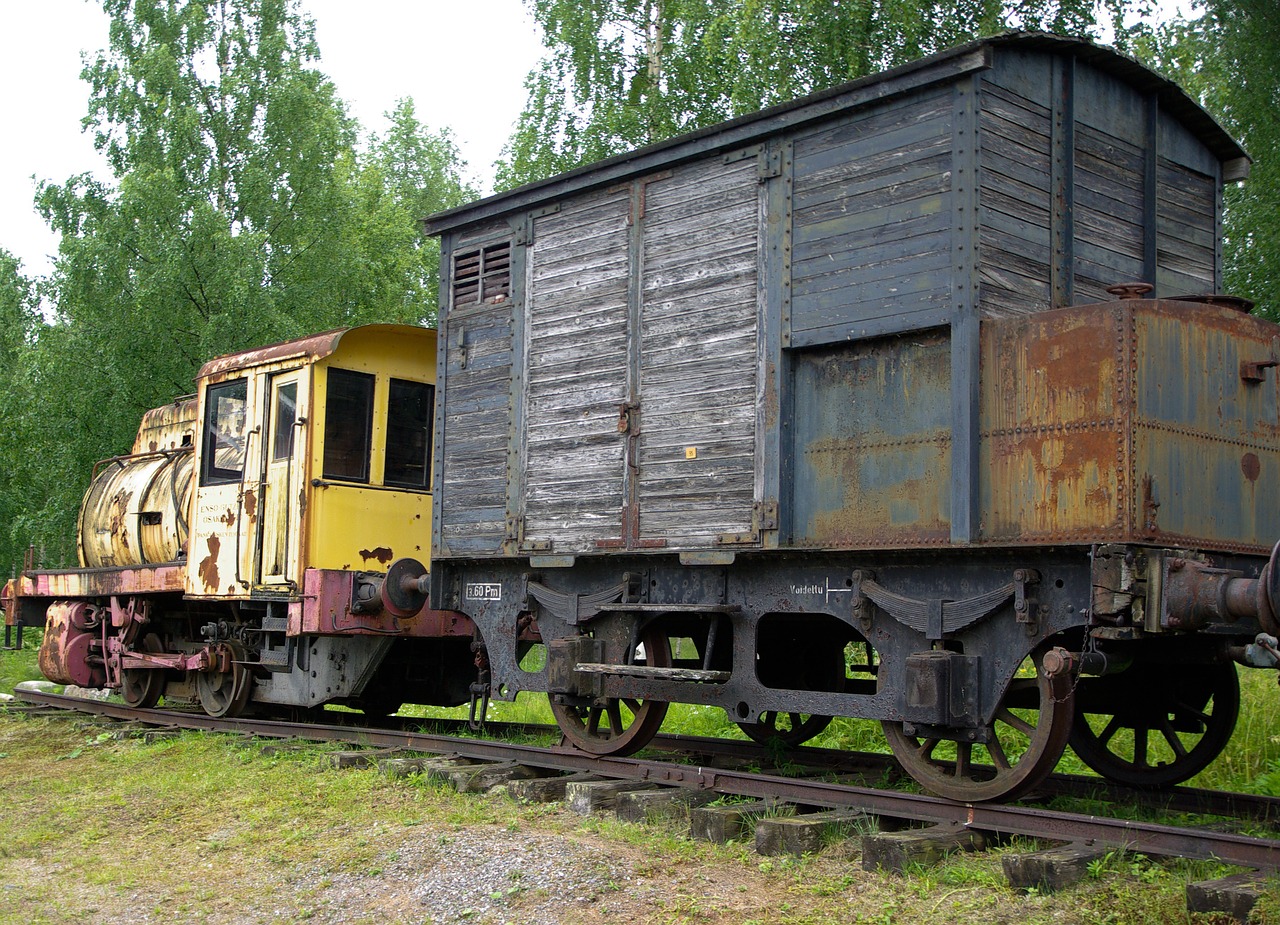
<point x="1251" y="466"/>
<point x="251" y="507"/>
<point x="228" y="519"/>
<point x="381" y="553"/>
<point x="208" y="570"/>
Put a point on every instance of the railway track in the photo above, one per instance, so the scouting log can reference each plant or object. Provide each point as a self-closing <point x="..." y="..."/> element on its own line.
<point x="830" y="784"/>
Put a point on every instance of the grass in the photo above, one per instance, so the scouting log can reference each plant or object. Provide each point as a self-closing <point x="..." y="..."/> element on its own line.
<point x="208" y="828"/>
<point x="204" y="828"/>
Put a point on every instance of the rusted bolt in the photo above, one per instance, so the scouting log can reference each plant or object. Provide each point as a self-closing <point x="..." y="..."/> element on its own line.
<point x="1177" y="565"/>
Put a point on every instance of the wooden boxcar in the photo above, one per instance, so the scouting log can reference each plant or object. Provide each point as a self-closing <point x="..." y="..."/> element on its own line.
<point x="833" y="410"/>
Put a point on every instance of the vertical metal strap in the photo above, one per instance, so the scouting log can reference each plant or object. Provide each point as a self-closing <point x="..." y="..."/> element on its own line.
<point x="1062" y="184"/>
<point x="966" y="285"/>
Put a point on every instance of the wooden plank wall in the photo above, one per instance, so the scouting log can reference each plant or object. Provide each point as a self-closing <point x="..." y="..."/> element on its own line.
<point x="1186" y="221"/>
<point x="577" y="372"/>
<point x="698" y="362"/>
<point x="1014" y="203"/>
<point x="477" y="415"/>
<point x="872" y="221"/>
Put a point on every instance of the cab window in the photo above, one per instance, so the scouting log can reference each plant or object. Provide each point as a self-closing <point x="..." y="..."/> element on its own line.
<point x="348" y="425"/>
<point x="224" y="432"/>
<point x="409" y="420"/>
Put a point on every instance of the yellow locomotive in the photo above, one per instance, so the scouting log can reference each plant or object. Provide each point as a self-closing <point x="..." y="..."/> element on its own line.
<point x="265" y="540"/>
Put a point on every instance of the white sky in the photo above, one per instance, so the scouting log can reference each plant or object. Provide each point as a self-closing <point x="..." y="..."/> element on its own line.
<point x="464" y="64"/>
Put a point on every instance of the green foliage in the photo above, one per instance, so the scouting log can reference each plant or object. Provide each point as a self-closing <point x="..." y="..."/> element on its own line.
<point x="242" y="211"/>
<point x="1229" y="58"/>
<point x="620" y="74"/>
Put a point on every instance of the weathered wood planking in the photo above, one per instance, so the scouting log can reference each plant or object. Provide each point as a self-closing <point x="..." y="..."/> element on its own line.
<point x="698" y="345"/>
<point x="576" y="378"/>
<point x="1014" y="203"/>
<point x="871" y="224"/>
<point x="475" y="446"/>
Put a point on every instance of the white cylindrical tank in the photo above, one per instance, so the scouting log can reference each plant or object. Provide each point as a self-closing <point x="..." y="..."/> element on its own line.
<point x="136" y="509"/>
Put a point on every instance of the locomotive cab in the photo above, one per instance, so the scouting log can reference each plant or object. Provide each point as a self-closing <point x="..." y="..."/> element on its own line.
<point x="312" y="455"/>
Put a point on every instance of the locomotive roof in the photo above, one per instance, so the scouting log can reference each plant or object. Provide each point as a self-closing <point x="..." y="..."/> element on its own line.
<point x="746" y="129"/>
<point x="315" y="347"/>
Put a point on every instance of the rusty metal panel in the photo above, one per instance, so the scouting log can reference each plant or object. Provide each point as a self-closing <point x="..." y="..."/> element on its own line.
<point x="325" y="609"/>
<point x="872" y="444"/>
<point x="168" y="427"/>
<point x="1206" y="434"/>
<point x="1053" y="427"/>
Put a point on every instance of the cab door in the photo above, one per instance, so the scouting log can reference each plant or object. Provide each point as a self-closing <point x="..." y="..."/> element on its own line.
<point x="282" y="477"/>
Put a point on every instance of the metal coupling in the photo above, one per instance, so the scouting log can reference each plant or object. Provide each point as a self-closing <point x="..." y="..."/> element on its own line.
<point x="1196" y="594"/>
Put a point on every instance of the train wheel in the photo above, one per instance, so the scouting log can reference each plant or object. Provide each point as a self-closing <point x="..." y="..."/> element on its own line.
<point x="1026" y="739"/>
<point x="790" y="729"/>
<point x="621" y="726"/>
<point x="224" y="693"/>
<point x="141" y="687"/>
<point x="1156" y="725"/>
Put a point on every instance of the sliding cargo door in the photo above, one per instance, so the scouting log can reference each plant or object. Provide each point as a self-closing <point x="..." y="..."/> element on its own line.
<point x="577" y="375"/>
<point x="698" y="363"/>
<point x="641" y="413"/>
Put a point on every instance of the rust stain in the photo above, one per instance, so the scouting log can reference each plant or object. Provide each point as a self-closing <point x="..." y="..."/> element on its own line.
<point x="229" y="518"/>
<point x="382" y="554"/>
<point x="302" y="502"/>
<point x="251" y="507"/>
<point x="1150" y="506"/>
<point x="1251" y="466"/>
<point x="208" y="570"/>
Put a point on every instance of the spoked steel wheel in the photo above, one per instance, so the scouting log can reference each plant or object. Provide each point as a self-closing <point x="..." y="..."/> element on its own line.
<point x="225" y="693"/>
<point x="788" y="728"/>
<point x="141" y="687"/>
<point x="1155" y="725"/>
<point x="618" y="726"/>
<point x="1024" y="742"/>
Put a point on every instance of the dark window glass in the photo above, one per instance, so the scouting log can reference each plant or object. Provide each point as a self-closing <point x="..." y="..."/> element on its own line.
<point x="286" y="416"/>
<point x="348" y="425"/>
<point x="224" y="433"/>
<point x="409" y="417"/>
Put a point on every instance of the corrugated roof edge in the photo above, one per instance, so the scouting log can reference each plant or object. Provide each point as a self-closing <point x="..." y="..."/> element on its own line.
<point x="746" y="129"/>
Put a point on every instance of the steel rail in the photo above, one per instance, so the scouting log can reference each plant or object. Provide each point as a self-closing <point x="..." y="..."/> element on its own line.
<point x="1149" y="838"/>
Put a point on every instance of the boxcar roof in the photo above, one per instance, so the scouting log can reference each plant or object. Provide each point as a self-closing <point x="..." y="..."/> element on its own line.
<point x="949" y="64"/>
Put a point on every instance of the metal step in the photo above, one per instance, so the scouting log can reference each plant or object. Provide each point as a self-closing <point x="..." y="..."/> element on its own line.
<point x="653" y="672"/>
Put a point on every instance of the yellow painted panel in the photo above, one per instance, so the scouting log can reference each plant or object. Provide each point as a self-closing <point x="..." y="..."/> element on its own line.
<point x="368" y="528"/>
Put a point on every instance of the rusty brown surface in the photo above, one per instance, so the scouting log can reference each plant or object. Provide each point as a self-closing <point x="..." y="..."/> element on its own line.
<point x="381" y="554"/>
<point x="313" y="347"/>
<point x="208" y="569"/>
<point x="1053" y="423"/>
<point x="1129" y="421"/>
